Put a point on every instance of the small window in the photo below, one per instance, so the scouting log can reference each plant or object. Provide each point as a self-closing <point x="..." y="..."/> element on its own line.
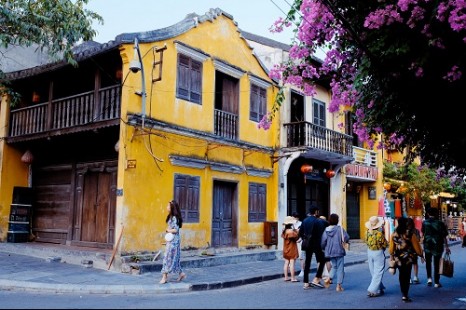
<point x="318" y="109"/>
<point x="187" y="195"/>
<point x="257" y="202"/>
<point x="189" y="80"/>
<point x="258" y="103"/>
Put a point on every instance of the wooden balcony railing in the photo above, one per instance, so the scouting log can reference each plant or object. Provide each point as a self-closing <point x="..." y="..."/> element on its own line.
<point x="226" y="124"/>
<point x="364" y="157"/>
<point x="78" y="110"/>
<point x="305" y="134"/>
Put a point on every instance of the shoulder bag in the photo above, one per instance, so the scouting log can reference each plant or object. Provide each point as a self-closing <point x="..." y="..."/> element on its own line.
<point x="345" y="245"/>
<point x="446" y="266"/>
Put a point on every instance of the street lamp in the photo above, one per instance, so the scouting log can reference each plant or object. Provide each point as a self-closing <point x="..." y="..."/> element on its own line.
<point x="135" y="66"/>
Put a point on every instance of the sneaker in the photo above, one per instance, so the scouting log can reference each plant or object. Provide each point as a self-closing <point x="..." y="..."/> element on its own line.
<point x="429" y="282"/>
<point x="410" y="281"/>
<point x="416" y="280"/>
<point x="438" y="285"/>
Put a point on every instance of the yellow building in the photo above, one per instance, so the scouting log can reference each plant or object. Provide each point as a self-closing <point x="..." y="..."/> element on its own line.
<point x="149" y="117"/>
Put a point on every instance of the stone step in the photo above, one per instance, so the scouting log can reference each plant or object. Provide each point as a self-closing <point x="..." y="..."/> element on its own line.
<point x="200" y="261"/>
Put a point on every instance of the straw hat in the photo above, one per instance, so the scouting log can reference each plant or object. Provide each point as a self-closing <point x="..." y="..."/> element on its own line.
<point x="374" y="222"/>
<point x="289" y="220"/>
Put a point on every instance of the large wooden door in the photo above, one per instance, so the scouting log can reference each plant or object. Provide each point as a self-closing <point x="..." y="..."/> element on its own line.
<point x="224" y="215"/>
<point x="94" y="222"/>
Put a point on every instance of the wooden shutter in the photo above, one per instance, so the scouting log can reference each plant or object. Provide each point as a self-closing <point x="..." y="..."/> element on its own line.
<point x="254" y="105"/>
<point x="257" y="202"/>
<point x="187" y="194"/>
<point x="183" y="80"/>
<point x="196" y="81"/>
<point x="189" y="80"/>
<point x="258" y="103"/>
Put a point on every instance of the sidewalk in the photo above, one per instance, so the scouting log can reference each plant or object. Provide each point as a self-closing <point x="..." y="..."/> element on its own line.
<point x="26" y="273"/>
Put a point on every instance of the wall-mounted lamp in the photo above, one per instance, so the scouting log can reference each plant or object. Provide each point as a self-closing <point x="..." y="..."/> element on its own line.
<point x="28" y="158"/>
<point x="135" y="66"/>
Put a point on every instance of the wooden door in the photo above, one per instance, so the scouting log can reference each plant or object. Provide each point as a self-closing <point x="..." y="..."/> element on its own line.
<point x="353" y="217"/>
<point x="94" y="223"/>
<point x="224" y="215"/>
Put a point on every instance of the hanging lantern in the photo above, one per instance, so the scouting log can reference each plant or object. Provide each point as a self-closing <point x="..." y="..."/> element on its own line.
<point x="387" y="186"/>
<point x="306" y="168"/>
<point x="35" y="97"/>
<point x="27" y="157"/>
<point x="330" y="173"/>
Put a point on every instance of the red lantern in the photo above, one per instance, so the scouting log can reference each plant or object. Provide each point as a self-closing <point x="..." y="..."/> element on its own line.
<point x="306" y="168"/>
<point x="387" y="186"/>
<point x="330" y="173"/>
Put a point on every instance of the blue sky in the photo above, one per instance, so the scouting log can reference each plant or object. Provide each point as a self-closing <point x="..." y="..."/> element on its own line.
<point x="255" y="16"/>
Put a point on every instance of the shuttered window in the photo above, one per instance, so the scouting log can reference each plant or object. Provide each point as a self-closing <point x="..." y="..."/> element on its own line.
<point x="318" y="112"/>
<point x="187" y="195"/>
<point x="189" y="80"/>
<point x="257" y="202"/>
<point x="258" y="103"/>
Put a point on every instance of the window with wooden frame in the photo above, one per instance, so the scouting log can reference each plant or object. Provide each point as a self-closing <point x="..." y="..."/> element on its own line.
<point x="187" y="195"/>
<point x="189" y="79"/>
<point x="258" y="103"/>
<point x="318" y="111"/>
<point x="257" y="202"/>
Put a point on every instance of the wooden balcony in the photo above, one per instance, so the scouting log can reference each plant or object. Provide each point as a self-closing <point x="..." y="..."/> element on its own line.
<point x="91" y="110"/>
<point x="305" y="135"/>
<point x="226" y="124"/>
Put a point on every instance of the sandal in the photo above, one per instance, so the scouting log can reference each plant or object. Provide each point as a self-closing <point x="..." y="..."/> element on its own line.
<point x="306" y="286"/>
<point x="181" y="277"/>
<point x="294" y="280"/>
<point x="327" y="283"/>
<point x="373" y="294"/>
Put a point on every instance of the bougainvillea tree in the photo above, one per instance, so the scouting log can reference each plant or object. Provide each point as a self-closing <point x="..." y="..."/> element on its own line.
<point x="398" y="66"/>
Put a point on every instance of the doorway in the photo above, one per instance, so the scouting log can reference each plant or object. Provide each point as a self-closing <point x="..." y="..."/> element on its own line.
<point x="224" y="214"/>
<point x="353" y="217"/>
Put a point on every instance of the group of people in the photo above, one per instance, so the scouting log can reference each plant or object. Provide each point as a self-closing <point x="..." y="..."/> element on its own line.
<point x="317" y="237"/>
<point x="405" y="247"/>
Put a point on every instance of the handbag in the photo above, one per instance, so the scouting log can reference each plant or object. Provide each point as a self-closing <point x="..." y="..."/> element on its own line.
<point x="446" y="266"/>
<point x="345" y="245"/>
<point x="392" y="266"/>
<point x="169" y="237"/>
<point x="306" y="243"/>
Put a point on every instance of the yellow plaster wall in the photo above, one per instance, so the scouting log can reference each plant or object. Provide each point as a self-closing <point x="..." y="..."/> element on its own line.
<point x="149" y="187"/>
<point x="13" y="172"/>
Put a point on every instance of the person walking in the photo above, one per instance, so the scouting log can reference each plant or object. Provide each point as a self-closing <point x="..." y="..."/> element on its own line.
<point x="435" y="238"/>
<point x="328" y="265"/>
<point x="376" y="245"/>
<point x="463" y="232"/>
<point x="290" y="248"/>
<point x="415" y="231"/>
<point x="333" y="248"/>
<point x="312" y="228"/>
<point x="403" y="246"/>
<point x="171" y="259"/>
